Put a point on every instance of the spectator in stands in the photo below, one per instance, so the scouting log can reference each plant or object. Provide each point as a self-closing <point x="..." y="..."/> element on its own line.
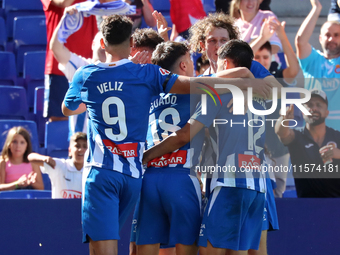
<point x="69" y="62"/>
<point x="263" y="54"/>
<point x="250" y="19"/>
<point x="224" y="5"/>
<point x="325" y="64"/>
<point x="65" y="174"/>
<point x="201" y="66"/>
<point x="316" y="146"/>
<point x="16" y="172"/>
<point x="56" y="83"/>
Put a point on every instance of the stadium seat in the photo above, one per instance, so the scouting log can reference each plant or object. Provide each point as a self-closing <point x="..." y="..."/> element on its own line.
<point x="289" y="194"/>
<point x="31" y="126"/>
<point x="38" y="112"/>
<point x="56" y="139"/>
<point x="18" y="8"/>
<point x="25" y="194"/>
<point x="34" y="67"/>
<point x="29" y="35"/>
<point x="161" y="5"/>
<point x="209" y="5"/>
<point x="13" y="103"/>
<point x="8" y="73"/>
<point x="3" y="34"/>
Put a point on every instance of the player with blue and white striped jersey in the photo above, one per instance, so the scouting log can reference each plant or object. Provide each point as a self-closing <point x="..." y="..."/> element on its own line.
<point x="117" y="95"/>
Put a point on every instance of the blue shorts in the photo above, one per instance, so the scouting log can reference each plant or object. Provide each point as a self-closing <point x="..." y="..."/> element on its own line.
<point x="170" y="208"/>
<point x="108" y="199"/>
<point x="233" y="219"/>
<point x="56" y="87"/>
<point x="270" y="220"/>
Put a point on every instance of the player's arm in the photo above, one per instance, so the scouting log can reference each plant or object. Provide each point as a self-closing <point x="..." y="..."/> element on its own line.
<point x="187" y="85"/>
<point x="67" y="112"/>
<point x="175" y="141"/>
<point x="60" y="52"/>
<point x="303" y="47"/>
<point x="39" y="159"/>
<point x="285" y="134"/>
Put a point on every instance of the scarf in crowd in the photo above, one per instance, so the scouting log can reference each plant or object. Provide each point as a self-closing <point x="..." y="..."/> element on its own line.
<point x="72" y="23"/>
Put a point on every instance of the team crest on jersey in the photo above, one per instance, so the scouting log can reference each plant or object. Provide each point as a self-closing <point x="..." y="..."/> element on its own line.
<point x="178" y="157"/>
<point x="248" y="161"/>
<point x="163" y="71"/>
<point x="337" y="69"/>
<point x="126" y="150"/>
<point x="67" y="193"/>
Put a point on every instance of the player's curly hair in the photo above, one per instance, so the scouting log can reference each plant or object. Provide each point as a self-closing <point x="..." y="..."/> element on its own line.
<point x="146" y="37"/>
<point x="217" y="20"/>
<point x="116" y="29"/>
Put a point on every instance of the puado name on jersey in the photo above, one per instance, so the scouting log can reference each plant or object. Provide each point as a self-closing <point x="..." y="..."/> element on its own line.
<point x="108" y="86"/>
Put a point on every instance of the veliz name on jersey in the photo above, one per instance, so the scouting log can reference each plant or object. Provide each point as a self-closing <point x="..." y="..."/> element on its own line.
<point x="168" y="99"/>
<point x="126" y="150"/>
<point x="178" y="157"/>
<point x="107" y="86"/>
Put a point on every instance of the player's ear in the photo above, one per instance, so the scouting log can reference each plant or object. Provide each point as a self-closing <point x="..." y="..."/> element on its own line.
<point x="202" y="45"/>
<point x="182" y="65"/>
<point x="102" y="44"/>
<point x="226" y="64"/>
<point x="131" y="41"/>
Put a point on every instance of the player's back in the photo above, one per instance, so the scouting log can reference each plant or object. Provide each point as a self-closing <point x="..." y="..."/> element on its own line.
<point x="117" y="96"/>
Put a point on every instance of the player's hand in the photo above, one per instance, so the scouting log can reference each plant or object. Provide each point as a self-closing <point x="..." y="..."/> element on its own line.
<point x="141" y="57"/>
<point x="162" y="24"/>
<point x="260" y="87"/>
<point x="316" y="3"/>
<point x="71" y="10"/>
<point x="50" y="161"/>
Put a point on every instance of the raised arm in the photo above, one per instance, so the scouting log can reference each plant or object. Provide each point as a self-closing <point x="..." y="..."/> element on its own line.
<point x="303" y="47"/>
<point x="60" y="52"/>
<point x="293" y="67"/>
<point x="285" y="134"/>
<point x="265" y="34"/>
<point x="147" y="13"/>
<point x="162" y="25"/>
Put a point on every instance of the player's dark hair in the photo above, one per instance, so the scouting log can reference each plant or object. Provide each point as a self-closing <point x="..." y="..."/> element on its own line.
<point x="238" y="51"/>
<point x="116" y="29"/>
<point x="200" y="62"/>
<point x="146" y="37"/>
<point x="266" y="46"/>
<point x="167" y="53"/>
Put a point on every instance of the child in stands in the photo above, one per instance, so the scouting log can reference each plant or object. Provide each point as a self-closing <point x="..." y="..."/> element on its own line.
<point x="16" y="172"/>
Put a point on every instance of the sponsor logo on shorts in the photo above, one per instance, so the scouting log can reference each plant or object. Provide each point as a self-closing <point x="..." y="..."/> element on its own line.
<point x="127" y="150"/>
<point x="178" y="157"/>
<point x="67" y="193"/>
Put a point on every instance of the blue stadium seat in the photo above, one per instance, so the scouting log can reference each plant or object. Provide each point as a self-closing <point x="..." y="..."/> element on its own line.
<point x="13" y="102"/>
<point x="29" y="35"/>
<point x="8" y="73"/>
<point x="31" y="126"/>
<point x="34" y="66"/>
<point x="161" y="5"/>
<point x="56" y="139"/>
<point x="38" y="113"/>
<point x="3" y="34"/>
<point x="18" y="8"/>
<point x="209" y="5"/>
<point x="25" y="194"/>
<point x="290" y="193"/>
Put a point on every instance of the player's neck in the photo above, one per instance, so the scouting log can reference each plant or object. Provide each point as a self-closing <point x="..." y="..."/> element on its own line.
<point x="117" y="53"/>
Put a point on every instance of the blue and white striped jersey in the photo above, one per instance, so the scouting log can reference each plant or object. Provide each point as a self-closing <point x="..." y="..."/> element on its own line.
<point x="238" y="144"/>
<point x="169" y="113"/>
<point x="117" y="96"/>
